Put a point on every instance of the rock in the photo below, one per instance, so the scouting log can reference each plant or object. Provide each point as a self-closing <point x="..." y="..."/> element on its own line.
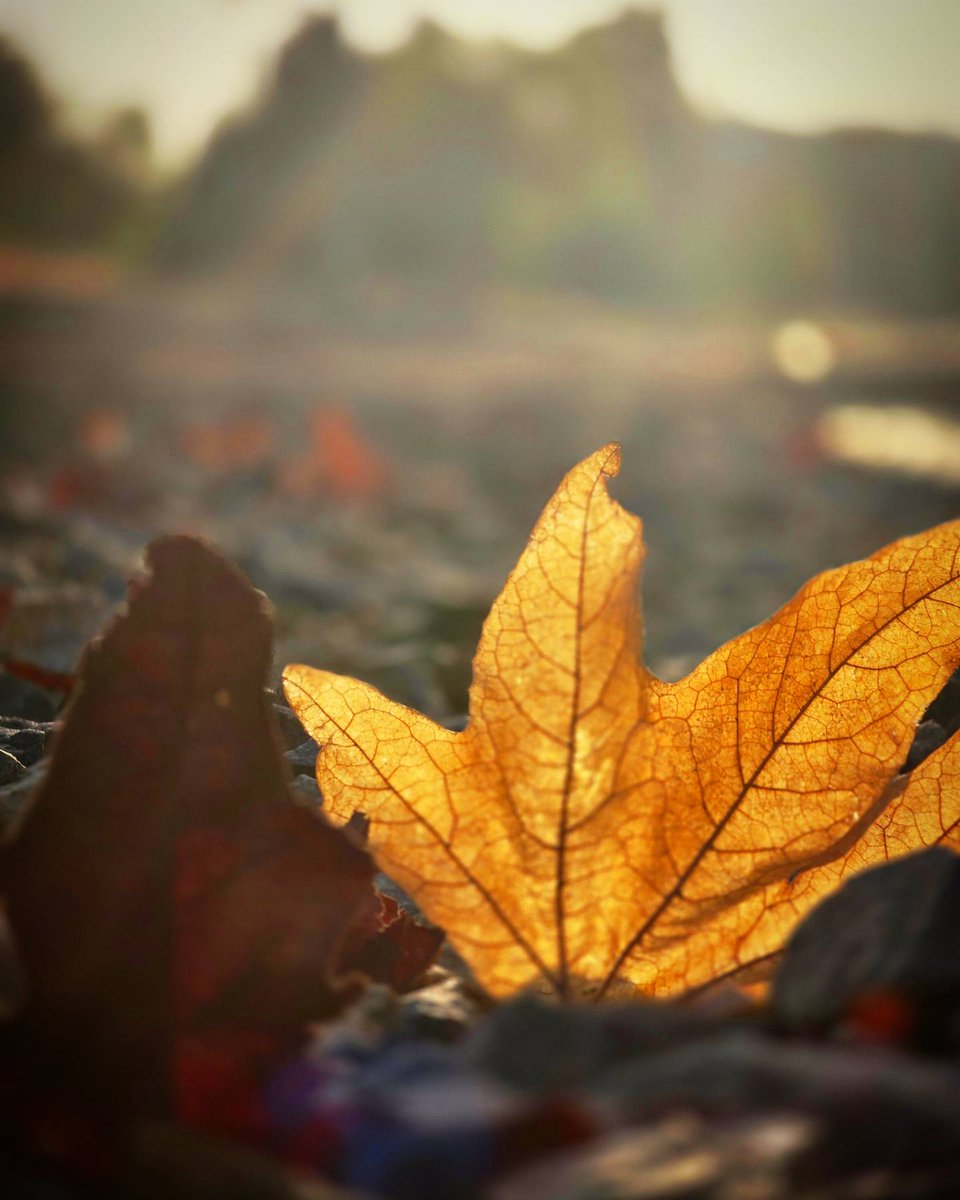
<point x="531" y="1044"/>
<point x="11" y="767"/>
<point x="24" y="740"/>
<point x="22" y="744"/>
<point x="443" y="1010"/>
<point x="291" y="729"/>
<point x="303" y="758"/>
<point x="941" y="721"/>
<point x="681" y="1158"/>
<point x="928" y="736"/>
<point x="534" y="1044"/>
<point x="14" y="797"/>
<point x="874" y="1107"/>
<point x="308" y="788"/>
<point x="18" y="698"/>
<point x="891" y="931"/>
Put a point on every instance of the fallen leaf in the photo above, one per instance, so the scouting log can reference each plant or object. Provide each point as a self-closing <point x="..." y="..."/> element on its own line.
<point x="104" y="433"/>
<point x="395" y="948"/>
<point x="339" y="461"/>
<point x="171" y="905"/>
<point x="239" y="442"/>
<point x="595" y="827"/>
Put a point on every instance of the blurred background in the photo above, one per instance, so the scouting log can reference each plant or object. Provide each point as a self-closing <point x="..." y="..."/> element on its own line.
<point x="347" y="287"/>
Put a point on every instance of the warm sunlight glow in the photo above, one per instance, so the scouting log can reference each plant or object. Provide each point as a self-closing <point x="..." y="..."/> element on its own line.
<point x="903" y="439"/>
<point x="803" y="351"/>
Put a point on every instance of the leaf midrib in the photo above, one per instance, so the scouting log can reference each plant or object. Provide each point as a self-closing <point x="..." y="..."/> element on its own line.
<point x="563" y="818"/>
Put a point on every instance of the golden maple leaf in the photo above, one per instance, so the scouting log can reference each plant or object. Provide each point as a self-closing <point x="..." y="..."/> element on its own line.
<point x="593" y="825"/>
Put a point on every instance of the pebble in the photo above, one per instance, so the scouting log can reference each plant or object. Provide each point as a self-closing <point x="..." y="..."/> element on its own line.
<point x="890" y="936"/>
<point x="19" y="698"/>
<point x="291" y="729"/>
<point x="532" y="1043"/>
<point x="303" y="758"/>
<point x="24" y="740"/>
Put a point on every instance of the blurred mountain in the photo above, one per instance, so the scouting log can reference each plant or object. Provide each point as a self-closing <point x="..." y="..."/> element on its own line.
<point x="56" y="191"/>
<point x="259" y="191"/>
<point x="382" y="186"/>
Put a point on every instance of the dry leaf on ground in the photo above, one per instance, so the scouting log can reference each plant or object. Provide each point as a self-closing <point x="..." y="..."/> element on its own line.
<point x="594" y="825"/>
<point x="178" y="917"/>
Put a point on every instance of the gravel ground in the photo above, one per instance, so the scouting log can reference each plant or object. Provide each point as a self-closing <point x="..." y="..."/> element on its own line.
<point x="380" y="493"/>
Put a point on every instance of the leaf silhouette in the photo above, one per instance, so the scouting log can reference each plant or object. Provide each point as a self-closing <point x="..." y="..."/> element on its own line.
<point x="179" y="918"/>
<point x="593" y="825"/>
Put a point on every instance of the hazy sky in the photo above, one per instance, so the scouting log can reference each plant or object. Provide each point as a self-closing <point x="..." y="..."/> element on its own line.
<point x="792" y="64"/>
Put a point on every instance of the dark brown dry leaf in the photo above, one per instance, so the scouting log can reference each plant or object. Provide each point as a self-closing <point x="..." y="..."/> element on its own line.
<point x="164" y="892"/>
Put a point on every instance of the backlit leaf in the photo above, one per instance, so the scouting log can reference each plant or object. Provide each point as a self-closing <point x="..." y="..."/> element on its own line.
<point x="594" y="826"/>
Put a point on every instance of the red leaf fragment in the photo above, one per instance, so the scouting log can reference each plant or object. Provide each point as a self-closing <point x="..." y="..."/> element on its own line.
<point x="30" y="672"/>
<point x="397" y="950"/>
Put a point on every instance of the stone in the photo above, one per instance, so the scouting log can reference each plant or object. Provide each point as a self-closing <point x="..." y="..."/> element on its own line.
<point x="303" y="758"/>
<point x="679" y="1158"/>
<point x="531" y="1043"/>
<point x="18" y="698"/>
<point x="24" y="740"/>
<point x="291" y="731"/>
<point x="443" y="1010"/>
<point x="15" y="796"/>
<point x="893" y="930"/>
<point x="874" y="1107"/>
<point x="308" y="789"/>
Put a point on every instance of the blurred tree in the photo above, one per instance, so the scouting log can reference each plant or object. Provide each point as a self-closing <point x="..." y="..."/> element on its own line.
<point x="261" y="186"/>
<point x="125" y="144"/>
<point x="56" y="192"/>
<point x="394" y="189"/>
<point x="26" y="112"/>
